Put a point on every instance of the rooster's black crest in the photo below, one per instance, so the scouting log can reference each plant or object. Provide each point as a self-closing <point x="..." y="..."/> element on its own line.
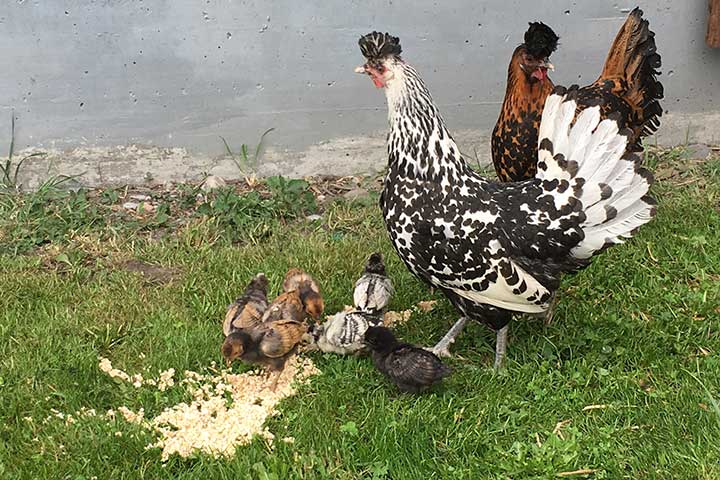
<point x="540" y="40"/>
<point x="376" y="45"/>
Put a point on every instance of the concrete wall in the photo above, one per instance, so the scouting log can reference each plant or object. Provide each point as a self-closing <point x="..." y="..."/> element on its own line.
<point x="87" y="76"/>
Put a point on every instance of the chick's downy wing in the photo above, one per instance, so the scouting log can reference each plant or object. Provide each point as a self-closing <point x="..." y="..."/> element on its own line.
<point x="245" y="317"/>
<point x="281" y="337"/>
<point x="286" y="305"/>
<point x="411" y="365"/>
<point x="372" y="292"/>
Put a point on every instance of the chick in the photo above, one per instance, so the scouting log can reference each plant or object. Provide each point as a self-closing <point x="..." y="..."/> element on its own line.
<point x="344" y="332"/>
<point x="411" y="368"/>
<point x="247" y="310"/>
<point x="287" y="305"/>
<point x="269" y="345"/>
<point x="373" y="289"/>
<point x="296" y="279"/>
<point x="271" y="341"/>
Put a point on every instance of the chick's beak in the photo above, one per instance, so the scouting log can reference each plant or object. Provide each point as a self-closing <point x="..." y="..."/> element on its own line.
<point x="360" y="69"/>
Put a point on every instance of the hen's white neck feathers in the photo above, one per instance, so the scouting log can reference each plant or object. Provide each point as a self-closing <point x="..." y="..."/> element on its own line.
<point x="419" y="144"/>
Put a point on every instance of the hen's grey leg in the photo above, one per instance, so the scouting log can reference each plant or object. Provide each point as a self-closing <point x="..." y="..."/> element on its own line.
<point x="550" y="313"/>
<point x="500" y="347"/>
<point x="442" y="349"/>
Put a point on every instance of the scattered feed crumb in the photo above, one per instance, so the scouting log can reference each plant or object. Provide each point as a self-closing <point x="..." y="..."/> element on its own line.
<point x="106" y="366"/>
<point x="393" y="318"/>
<point x="166" y="379"/>
<point x="427" y="305"/>
<point x="132" y="417"/>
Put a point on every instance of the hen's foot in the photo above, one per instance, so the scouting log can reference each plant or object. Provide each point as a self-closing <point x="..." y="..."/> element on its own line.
<point x="442" y="348"/>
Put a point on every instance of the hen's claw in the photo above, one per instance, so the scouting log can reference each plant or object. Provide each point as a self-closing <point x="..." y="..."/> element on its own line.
<point x="440" y="352"/>
<point x="442" y="348"/>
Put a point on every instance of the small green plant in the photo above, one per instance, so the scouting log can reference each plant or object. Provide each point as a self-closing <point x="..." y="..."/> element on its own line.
<point x="350" y="428"/>
<point x="291" y="196"/>
<point x="9" y="170"/>
<point x="235" y="212"/>
<point x="244" y="160"/>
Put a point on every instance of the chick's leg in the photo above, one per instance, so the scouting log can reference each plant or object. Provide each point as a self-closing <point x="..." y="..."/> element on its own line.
<point x="500" y="347"/>
<point x="442" y="348"/>
<point x="276" y="377"/>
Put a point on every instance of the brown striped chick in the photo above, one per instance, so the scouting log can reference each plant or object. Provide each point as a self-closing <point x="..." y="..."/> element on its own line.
<point x="270" y="345"/>
<point x="274" y="339"/>
<point x="247" y="310"/>
<point x="313" y="303"/>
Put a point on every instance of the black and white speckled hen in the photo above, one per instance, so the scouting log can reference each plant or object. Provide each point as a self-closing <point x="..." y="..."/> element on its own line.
<point x="498" y="248"/>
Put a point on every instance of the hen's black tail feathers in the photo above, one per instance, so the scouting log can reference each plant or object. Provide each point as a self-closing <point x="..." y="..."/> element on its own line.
<point x="633" y="57"/>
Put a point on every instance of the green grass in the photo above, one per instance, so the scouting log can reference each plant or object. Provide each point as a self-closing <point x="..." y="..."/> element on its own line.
<point x="637" y="332"/>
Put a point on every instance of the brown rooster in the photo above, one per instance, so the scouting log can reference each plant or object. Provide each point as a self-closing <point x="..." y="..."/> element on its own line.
<point x="627" y="85"/>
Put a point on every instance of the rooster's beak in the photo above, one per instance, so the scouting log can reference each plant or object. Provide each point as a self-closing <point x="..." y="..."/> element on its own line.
<point x="360" y="69"/>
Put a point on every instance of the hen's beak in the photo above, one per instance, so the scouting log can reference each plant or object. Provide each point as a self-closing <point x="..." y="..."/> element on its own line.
<point x="360" y="69"/>
<point x="228" y="362"/>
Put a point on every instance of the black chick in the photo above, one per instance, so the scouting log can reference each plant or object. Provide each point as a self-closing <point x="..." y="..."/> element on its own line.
<point x="411" y="368"/>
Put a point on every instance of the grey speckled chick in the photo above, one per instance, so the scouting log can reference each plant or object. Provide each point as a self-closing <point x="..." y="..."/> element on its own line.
<point x="373" y="289"/>
<point x="344" y="332"/>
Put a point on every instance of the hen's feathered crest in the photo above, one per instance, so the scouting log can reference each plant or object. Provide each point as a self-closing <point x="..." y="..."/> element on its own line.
<point x="540" y="40"/>
<point x="376" y="45"/>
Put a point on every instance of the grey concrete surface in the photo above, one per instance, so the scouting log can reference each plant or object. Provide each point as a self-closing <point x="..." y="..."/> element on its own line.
<point x="124" y="90"/>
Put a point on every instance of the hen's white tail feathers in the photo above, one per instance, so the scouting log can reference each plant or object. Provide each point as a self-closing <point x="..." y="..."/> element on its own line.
<point x="590" y="155"/>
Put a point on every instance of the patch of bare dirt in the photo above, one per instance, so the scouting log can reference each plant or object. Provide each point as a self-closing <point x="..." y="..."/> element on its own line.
<point x="154" y="274"/>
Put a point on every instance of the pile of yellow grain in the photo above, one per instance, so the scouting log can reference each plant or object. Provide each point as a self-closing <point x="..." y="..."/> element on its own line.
<point x="226" y="410"/>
